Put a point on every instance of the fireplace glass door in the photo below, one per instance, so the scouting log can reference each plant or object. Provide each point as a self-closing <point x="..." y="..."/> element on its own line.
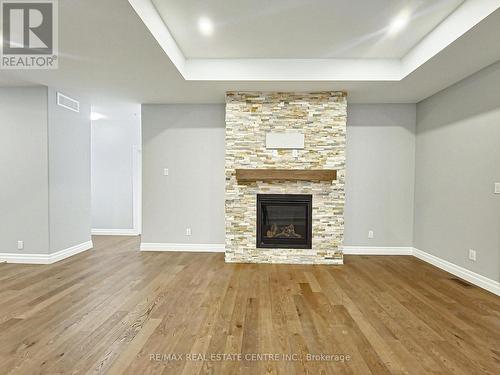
<point x="284" y="221"/>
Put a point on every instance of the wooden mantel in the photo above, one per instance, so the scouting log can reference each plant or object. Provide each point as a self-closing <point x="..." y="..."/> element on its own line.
<point x="248" y="175"/>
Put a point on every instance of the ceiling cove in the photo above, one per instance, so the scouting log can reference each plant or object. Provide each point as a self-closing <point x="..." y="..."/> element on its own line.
<point x="361" y="67"/>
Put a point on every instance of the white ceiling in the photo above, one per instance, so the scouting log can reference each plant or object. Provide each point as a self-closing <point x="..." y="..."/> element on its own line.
<point x="300" y="28"/>
<point x="108" y="53"/>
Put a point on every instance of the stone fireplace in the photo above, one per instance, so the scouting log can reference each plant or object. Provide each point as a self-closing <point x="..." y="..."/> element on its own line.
<point x="290" y="209"/>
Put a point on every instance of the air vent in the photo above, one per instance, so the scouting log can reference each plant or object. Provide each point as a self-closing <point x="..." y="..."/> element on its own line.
<point x="68" y="103"/>
<point x="461" y="282"/>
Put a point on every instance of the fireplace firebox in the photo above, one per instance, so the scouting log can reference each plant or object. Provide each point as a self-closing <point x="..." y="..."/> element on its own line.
<point x="284" y="221"/>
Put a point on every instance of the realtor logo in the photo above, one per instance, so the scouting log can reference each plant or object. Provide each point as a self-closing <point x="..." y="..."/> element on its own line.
<point x="29" y="34"/>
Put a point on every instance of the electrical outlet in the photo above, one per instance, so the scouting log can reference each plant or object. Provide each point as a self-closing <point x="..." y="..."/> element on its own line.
<point x="188" y="231"/>
<point x="295" y="153"/>
<point x="472" y="255"/>
<point x="20" y="245"/>
<point x="165" y="171"/>
<point x="370" y="234"/>
<point x="497" y="187"/>
<point x="275" y="153"/>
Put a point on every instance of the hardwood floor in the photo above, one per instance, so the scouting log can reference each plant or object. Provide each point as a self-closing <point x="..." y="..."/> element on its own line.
<point x="118" y="311"/>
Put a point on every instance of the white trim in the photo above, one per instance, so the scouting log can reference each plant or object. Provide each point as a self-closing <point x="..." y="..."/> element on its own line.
<point x="293" y="70"/>
<point x="377" y="250"/>
<point x="45" y="258"/>
<point x="197" y="247"/>
<point x="114" y="232"/>
<point x="458" y="23"/>
<point x="146" y="10"/>
<point x="464" y="18"/>
<point x="137" y="188"/>
<point x="472" y="277"/>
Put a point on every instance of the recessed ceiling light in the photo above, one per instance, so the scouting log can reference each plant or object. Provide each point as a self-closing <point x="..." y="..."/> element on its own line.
<point x="95" y="116"/>
<point x="399" y="23"/>
<point x="205" y="26"/>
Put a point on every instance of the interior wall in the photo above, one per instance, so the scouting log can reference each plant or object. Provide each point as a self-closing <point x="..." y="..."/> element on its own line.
<point x="457" y="164"/>
<point x="24" y="170"/>
<point x="116" y="141"/>
<point x="189" y="141"/>
<point x="380" y="174"/>
<point x="69" y="173"/>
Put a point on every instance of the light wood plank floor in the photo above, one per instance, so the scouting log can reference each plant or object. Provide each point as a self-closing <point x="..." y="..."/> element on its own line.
<point x="118" y="311"/>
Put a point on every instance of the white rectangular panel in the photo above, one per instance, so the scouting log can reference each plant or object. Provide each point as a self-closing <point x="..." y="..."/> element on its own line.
<point x="285" y="140"/>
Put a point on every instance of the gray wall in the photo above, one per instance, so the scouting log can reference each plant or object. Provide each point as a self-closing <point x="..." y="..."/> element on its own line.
<point x="457" y="163"/>
<point x="69" y="174"/>
<point x="113" y="141"/>
<point x="380" y="174"/>
<point x="189" y="140"/>
<point x="24" y="170"/>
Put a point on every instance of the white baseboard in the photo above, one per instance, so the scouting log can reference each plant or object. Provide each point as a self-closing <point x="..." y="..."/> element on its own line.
<point x="114" y="232"/>
<point x="377" y="250"/>
<point x="196" y="247"/>
<point x="45" y="258"/>
<point x="472" y="277"/>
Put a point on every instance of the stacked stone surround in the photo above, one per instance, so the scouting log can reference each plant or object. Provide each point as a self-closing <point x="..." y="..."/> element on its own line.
<point x="321" y="117"/>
